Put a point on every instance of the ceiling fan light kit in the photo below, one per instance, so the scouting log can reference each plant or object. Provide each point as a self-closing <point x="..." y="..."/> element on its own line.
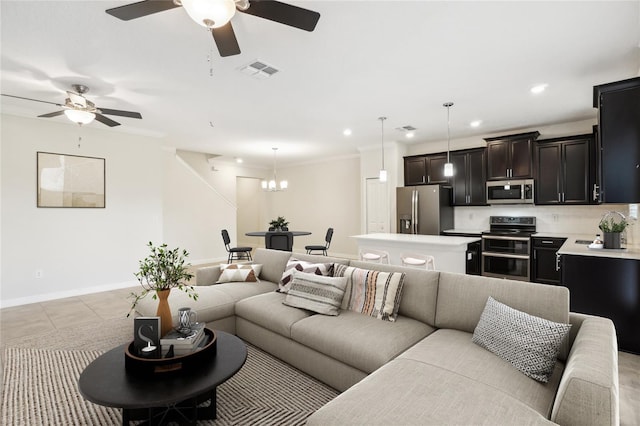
<point x="79" y="116"/>
<point x="210" y="14"/>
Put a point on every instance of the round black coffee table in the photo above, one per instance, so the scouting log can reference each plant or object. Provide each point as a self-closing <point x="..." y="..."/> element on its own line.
<point x="164" y="397"/>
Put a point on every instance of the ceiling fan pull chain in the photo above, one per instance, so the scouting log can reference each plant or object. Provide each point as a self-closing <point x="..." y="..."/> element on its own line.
<point x="210" y="60"/>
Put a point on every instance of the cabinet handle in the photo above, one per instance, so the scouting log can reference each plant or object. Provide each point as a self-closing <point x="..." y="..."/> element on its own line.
<point x="557" y="262"/>
<point x="563" y="197"/>
<point x="428" y="179"/>
<point x="559" y="199"/>
<point x="596" y="195"/>
<point x="546" y="242"/>
<point x="423" y="179"/>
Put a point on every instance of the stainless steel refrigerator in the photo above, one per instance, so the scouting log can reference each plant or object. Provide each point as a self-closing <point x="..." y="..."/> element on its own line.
<point x="424" y="209"/>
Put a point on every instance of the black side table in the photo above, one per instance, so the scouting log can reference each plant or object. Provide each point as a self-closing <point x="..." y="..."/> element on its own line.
<point x="168" y="397"/>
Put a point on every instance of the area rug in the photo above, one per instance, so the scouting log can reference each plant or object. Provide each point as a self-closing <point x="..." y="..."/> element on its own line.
<point x="40" y="387"/>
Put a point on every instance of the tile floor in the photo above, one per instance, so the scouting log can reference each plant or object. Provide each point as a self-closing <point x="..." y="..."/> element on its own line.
<point x="62" y="313"/>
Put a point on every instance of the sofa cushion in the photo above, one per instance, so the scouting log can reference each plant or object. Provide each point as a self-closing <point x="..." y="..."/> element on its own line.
<point x="408" y="392"/>
<point x="316" y="293"/>
<point x="453" y="350"/>
<point x="296" y="265"/>
<point x="268" y="311"/>
<point x="212" y="304"/>
<point x="462" y="298"/>
<point x="238" y="272"/>
<point x="531" y="344"/>
<point x="372" y="292"/>
<point x="359" y="340"/>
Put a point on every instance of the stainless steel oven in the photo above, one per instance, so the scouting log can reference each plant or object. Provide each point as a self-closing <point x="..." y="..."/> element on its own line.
<point x="506" y="247"/>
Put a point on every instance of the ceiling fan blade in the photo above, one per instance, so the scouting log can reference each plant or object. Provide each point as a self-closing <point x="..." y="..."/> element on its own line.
<point x="283" y="13"/>
<point x="120" y="113"/>
<point x="104" y="120"/>
<point x="52" y="114"/>
<point x="140" y="9"/>
<point x="226" y="41"/>
<point x="35" y="100"/>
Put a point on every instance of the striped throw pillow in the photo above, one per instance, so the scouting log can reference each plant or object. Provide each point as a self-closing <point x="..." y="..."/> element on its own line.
<point x="373" y="293"/>
<point x="316" y="293"/>
<point x="294" y="265"/>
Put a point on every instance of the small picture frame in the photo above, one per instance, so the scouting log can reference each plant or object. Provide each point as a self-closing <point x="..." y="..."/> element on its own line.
<point x="146" y="333"/>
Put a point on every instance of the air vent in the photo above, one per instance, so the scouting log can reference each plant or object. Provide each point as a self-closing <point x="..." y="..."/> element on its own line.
<point x="406" y="128"/>
<point x="259" y="69"/>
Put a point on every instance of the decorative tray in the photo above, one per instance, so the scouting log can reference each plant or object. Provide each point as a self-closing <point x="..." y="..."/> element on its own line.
<point x="137" y="365"/>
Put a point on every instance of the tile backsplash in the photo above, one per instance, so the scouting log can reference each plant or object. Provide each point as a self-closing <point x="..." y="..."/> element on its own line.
<point x="556" y="219"/>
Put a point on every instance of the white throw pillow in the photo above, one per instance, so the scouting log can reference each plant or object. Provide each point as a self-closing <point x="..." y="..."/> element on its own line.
<point x="239" y="273"/>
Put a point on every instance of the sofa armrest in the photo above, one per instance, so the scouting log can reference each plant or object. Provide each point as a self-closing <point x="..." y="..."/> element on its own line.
<point x="207" y="275"/>
<point x="588" y="391"/>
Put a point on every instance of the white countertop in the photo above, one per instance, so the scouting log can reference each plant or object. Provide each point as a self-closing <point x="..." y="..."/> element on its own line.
<point x="570" y="247"/>
<point x="435" y="240"/>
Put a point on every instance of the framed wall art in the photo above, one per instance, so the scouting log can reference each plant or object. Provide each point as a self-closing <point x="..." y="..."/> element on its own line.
<point x="70" y="181"/>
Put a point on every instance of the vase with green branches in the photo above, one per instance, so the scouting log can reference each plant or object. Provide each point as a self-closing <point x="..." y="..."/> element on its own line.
<point x="158" y="273"/>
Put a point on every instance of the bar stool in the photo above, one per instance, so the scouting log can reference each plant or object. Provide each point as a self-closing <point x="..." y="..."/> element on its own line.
<point x="416" y="260"/>
<point x="374" y="256"/>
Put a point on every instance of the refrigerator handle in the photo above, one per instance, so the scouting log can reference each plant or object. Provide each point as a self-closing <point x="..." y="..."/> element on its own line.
<point x="415" y="211"/>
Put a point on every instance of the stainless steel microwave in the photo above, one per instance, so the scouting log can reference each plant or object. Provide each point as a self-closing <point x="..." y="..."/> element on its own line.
<point x="510" y="192"/>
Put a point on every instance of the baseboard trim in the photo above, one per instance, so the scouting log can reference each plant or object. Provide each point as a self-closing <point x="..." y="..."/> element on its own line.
<point x="63" y="294"/>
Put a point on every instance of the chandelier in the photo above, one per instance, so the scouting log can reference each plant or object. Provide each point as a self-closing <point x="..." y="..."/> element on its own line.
<point x="273" y="184"/>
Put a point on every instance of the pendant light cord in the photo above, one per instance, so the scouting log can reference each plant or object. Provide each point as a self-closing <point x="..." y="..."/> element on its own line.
<point x="448" y="105"/>
<point x="382" y="137"/>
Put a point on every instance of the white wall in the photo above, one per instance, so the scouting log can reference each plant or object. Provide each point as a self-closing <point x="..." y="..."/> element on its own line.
<point x="321" y="194"/>
<point x="77" y="250"/>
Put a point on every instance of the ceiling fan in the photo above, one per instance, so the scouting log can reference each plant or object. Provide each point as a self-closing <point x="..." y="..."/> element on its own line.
<point x="216" y="15"/>
<point x="82" y="111"/>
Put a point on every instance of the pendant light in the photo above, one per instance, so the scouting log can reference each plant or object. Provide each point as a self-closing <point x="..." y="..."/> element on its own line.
<point x="272" y="185"/>
<point x="383" y="173"/>
<point x="448" y="167"/>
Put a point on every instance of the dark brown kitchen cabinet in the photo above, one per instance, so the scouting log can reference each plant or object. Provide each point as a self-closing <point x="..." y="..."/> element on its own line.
<point x="469" y="177"/>
<point x="608" y="287"/>
<point x="415" y="171"/>
<point x="619" y="140"/>
<point x="545" y="265"/>
<point x="510" y="157"/>
<point x="564" y="170"/>
<point x="425" y="169"/>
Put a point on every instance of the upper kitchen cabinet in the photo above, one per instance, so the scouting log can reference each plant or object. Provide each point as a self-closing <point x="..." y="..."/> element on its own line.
<point x="469" y="177"/>
<point x="510" y="157"/>
<point x="619" y="140"/>
<point x="425" y="169"/>
<point x="564" y="170"/>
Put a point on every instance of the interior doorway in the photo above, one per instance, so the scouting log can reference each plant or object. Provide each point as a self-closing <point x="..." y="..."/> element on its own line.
<point x="377" y="206"/>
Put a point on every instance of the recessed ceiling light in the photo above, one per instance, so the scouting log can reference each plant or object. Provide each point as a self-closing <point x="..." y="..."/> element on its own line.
<point x="238" y="160"/>
<point x="539" y="88"/>
<point x="409" y="135"/>
<point x="347" y="132"/>
<point x="475" y="123"/>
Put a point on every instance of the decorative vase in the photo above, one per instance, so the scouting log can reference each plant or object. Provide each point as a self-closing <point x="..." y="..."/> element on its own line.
<point x="612" y="240"/>
<point x="164" y="312"/>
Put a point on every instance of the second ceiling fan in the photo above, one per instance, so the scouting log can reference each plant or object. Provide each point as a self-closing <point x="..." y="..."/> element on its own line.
<point x="216" y="15"/>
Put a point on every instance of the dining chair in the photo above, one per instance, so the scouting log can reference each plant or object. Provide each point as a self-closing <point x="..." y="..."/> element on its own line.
<point x="235" y="253"/>
<point x="416" y="260"/>
<point x="325" y="247"/>
<point x="278" y="240"/>
<point x="374" y="256"/>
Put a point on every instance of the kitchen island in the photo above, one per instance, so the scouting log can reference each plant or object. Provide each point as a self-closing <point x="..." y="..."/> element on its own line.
<point x="450" y="253"/>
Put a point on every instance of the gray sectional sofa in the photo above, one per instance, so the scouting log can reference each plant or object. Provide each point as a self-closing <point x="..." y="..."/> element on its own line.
<point x="423" y="368"/>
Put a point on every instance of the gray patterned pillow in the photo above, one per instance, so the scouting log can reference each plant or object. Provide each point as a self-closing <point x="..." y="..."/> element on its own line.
<point x="294" y="265"/>
<point x="316" y="293"/>
<point x="531" y="344"/>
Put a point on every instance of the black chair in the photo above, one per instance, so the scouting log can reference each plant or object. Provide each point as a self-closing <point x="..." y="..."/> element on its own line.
<point x="235" y="253"/>
<point x="323" y="248"/>
<point x="279" y="240"/>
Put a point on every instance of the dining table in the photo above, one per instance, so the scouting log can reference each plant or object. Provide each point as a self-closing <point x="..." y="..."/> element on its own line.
<point x="263" y="233"/>
<point x="278" y="240"/>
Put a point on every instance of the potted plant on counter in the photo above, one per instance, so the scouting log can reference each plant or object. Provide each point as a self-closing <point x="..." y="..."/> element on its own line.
<point x="159" y="272"/>
<point x="612" y="225"/>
